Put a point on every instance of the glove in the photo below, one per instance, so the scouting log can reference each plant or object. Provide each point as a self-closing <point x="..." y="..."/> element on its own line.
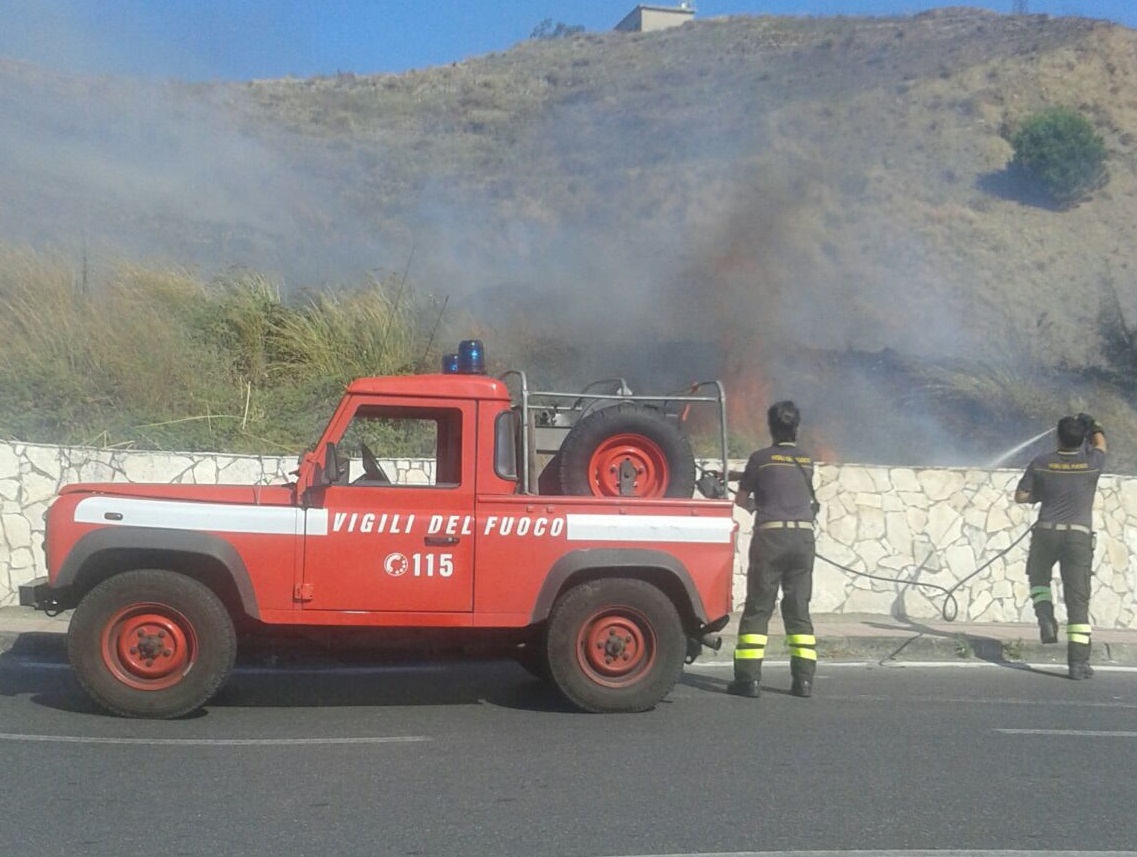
<point x="711" y="485"/>
<point x="1091" y="425"/>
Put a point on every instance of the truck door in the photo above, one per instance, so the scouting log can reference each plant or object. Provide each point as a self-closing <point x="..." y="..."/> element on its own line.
<point x="395" y="531"/>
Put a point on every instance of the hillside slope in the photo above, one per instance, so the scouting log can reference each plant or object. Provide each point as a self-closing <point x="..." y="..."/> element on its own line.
<point x="815" y="208"/>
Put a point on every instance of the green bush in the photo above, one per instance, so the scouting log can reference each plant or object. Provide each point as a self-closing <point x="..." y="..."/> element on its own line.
<point x="1059" y="149"/>
<point x="548" y="30"/>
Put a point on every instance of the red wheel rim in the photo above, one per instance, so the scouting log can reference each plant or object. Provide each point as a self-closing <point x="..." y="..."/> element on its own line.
<point x="616" y="647"/>
<point x="629" y="454"/>
<point x="149" y="646"/>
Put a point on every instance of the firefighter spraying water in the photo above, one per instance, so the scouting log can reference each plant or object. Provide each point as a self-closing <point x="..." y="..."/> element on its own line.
<point x="1063" y="483"/>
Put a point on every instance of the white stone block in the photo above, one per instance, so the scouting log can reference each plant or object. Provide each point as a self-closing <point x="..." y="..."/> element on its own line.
<point x="869" y="501"/>
<point x="870" y="525"/>
<point x="15" y="530"/>
<point x="881" y="479"/>
<point x="21" y="563"/>
<point x="939" y="485"/>
<point x="898" y="533"/>
<point x="1105" y="607"/>
<point x="917" y="519"/>
<point x="37" y="487"/>
<point x="870" y="554"/>
<point x="44" y="459"/>
<point x="869" y="601"/>
<point x="843" y="530"/>
<point x="977" y="606"/>
<point x="9" y="461"/>
<point x="904" y="480"/>
<point x="164" y="469"/>
<point x="959" y="561"/>
<point x="944" y="524"/>
<point x="857" y="479"/>
<point x="96" y="470"/>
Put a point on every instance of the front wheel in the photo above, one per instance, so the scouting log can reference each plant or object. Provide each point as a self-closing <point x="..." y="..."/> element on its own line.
<point x="615" y="645"/>
<point x="151" y="643"/>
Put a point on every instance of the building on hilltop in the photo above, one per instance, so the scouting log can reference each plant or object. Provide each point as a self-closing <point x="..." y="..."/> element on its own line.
<point x="645" y="19"/>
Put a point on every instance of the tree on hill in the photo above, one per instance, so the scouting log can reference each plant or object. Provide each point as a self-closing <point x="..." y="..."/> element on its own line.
<point x="1059" y="149"/>
<point x="548" y="30"/>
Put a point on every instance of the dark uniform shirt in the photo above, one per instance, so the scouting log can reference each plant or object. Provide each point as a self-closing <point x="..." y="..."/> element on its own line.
<point x="1064" y="482"/>
<point x="778" y="484"/>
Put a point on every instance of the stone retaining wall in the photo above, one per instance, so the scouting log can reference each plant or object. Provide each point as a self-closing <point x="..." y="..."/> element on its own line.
<point x="933" y="526"/>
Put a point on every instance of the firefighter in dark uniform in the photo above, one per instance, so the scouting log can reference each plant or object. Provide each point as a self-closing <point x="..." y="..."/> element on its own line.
<point x="777" y="486"/>
<point x="1063" y="482"/>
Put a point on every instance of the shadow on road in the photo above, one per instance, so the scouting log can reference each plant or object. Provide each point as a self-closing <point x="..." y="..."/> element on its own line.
<point x="991" y="650"/>
<point x="35" y="666"/>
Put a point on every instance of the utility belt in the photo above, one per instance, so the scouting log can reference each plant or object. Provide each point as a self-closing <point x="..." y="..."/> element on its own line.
<point x="785" y="525"/>
<point x="1073" y="528"/>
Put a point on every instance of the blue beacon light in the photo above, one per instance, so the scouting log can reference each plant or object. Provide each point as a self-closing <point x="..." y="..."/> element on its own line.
<point x="471" y="357"/>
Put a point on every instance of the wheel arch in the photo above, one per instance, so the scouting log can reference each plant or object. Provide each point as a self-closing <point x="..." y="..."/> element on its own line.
<point x="207" y="558"/>
<point x="655" y="567"/>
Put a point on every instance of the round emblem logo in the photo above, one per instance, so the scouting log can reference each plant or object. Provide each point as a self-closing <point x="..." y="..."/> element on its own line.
<point x="396" y="564"/>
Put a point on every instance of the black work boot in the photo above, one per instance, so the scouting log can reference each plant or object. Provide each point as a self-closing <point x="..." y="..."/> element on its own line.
<point x="801" y="671"/>
<point x="744" y="687"/>
<point x="1078" y="656"/>
<point x="1047" y="624"/>
<point x="747" y="685"/>
<point x="1080" y="671"/>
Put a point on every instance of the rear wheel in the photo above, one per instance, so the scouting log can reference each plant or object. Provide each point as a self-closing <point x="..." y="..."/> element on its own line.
<point x="615" y="645"/>
<point x="627" y="450"/>
<point x="151" y="643"/>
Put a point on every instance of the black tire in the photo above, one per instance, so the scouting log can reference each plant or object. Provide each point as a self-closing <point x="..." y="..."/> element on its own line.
<point x="549" y="480"/>
<point x="615" y="645"/>
<point x="151" y="643"/>
<point x="638" y="441"/>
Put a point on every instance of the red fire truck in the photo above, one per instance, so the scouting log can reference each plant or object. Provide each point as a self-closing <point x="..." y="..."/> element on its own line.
<point x="561" y="524"/>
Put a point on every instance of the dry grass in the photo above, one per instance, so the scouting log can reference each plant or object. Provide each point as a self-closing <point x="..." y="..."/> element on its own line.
<point x="156" y="358"/>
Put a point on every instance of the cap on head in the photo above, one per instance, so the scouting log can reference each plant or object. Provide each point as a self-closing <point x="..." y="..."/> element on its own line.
<point x="783" y="419"/>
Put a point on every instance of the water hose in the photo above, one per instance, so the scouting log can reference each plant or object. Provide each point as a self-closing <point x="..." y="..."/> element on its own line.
<point x="950" y="609"/>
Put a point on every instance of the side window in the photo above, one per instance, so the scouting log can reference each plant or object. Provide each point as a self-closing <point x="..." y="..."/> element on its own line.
<point x="505" y="445"/>
<point x="389" y="446"/>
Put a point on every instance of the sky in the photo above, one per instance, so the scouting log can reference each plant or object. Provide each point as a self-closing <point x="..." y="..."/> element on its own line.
<point x="209" y="40"/>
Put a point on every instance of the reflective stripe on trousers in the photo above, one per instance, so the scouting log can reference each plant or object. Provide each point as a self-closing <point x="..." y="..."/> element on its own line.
<point x="750" y="647"/>
<point x="1079" y="634"/>
<point x="802" y="646"/>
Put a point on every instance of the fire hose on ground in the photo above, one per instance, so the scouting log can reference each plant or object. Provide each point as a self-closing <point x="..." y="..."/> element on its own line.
<point x="950" y="609"/>
<point x="712" y="482"/>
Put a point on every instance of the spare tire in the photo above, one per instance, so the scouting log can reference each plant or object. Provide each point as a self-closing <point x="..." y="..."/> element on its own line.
<point x="627" y="449"/>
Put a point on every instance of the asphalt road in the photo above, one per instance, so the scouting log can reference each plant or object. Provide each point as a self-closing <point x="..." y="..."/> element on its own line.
<point x="481" y="759"/>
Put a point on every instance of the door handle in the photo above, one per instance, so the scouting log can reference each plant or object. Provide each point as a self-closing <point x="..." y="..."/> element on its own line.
<point x="440" y="541"/>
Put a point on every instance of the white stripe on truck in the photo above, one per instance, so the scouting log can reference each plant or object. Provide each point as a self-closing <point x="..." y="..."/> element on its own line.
<point x="278" y="520"/>
<point x="207" y="517"/>
<point x="648" y="528"/>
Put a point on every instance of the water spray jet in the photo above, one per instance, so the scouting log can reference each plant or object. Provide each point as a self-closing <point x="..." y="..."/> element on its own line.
<point x="1006" y="456"/>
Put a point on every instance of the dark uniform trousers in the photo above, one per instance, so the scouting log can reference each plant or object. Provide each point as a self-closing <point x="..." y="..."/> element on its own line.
<point x="778" y="558"/>
<point x="1074" y="553"/>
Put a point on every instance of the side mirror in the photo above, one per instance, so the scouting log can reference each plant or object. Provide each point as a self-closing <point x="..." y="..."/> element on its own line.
<point x="334" y="469"/>
<point x="327" y="473"/>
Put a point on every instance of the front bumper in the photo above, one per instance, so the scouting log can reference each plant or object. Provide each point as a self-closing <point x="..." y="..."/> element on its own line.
<point x="39" y="594"/>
